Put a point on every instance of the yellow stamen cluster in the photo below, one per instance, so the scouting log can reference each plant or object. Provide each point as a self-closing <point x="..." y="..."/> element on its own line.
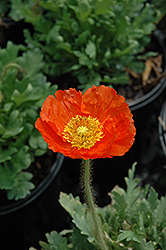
<point x="83" y="132"/>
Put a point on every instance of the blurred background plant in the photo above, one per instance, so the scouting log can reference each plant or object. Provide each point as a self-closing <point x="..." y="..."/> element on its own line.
<point x="161" y="5"/>
<point x="23" y="88"/>
<point x="90" y="41"/>
<point x="4" y="7"/>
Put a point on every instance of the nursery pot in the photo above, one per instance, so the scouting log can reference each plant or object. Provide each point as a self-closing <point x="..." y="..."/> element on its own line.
<point x="161" y="129"/>
<point x="146" y="105"/>
<point x="25" y="222"/>
<point x="162" y="141"/>
<point x="16" y="205"/>
<point x="149" y="97"/>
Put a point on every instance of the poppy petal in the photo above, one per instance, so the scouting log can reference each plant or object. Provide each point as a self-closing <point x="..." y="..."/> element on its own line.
<point x="101" y="103"/>
<point x="59" y="109"/>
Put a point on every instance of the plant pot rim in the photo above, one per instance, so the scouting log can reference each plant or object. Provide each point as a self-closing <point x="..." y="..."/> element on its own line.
<point x="38" y="190"/>
<point x="149" y="97"/>
<point x="161" y="131"/>
<point x="159" y="88"/>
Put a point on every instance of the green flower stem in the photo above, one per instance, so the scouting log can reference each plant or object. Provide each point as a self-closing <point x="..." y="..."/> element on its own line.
<point x="99" y="234"/>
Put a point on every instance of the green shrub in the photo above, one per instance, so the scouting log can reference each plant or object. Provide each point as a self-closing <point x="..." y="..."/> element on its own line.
<point x="23" y="88"/>
<point x="92" y="40"/>
<point x="161" y="5"/>
<point x="135" y="219"/>
<point x="4" y="7"/>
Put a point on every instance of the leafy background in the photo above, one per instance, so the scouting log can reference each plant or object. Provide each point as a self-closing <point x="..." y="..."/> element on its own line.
<point x="90" y="41"/>
<point x="23" y="88"/>
<point x="46" y="214"/>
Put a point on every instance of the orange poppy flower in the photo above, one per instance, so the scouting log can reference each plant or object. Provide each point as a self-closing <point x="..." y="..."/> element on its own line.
<point x="96" y="124"/>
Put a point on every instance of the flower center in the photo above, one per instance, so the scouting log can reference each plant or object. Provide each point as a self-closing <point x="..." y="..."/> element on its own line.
<point x="83" y="132"/>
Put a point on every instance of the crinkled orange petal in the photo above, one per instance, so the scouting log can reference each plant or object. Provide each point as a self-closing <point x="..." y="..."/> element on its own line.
<point x="100" y="102"/>
<point x="61" y="108"/>
<point x="104" y="103"/>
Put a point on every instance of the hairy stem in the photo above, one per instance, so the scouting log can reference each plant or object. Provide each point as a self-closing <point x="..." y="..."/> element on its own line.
<point x="99" y="235"/>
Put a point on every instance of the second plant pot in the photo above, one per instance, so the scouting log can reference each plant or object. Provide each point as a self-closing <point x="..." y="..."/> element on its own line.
<point x="157" y="45"/>
<point x="26" y="221"/>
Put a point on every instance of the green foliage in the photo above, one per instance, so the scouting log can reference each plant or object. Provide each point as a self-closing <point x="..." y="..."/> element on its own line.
<point x="135" y="219"/>
<point x="4" y="7"/>
<point x="22" y="187"/>
<point x="56" y="242"/>
<point x="81" y="218"/>
<point x="161" y="5"/>
<point x="93" y="40"/>
<point x="23" y="88"/>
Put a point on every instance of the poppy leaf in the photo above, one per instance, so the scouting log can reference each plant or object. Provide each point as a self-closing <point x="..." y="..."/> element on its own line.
<point x="22" y="186"/>
<point x="55" y="241"/>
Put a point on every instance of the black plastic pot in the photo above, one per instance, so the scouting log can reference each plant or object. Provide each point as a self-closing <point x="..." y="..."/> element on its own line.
<point x="25" y="222"/>
<point x="159" y="88"/>
<point x="16" y="205"/>
<point x="161" y="124"/>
